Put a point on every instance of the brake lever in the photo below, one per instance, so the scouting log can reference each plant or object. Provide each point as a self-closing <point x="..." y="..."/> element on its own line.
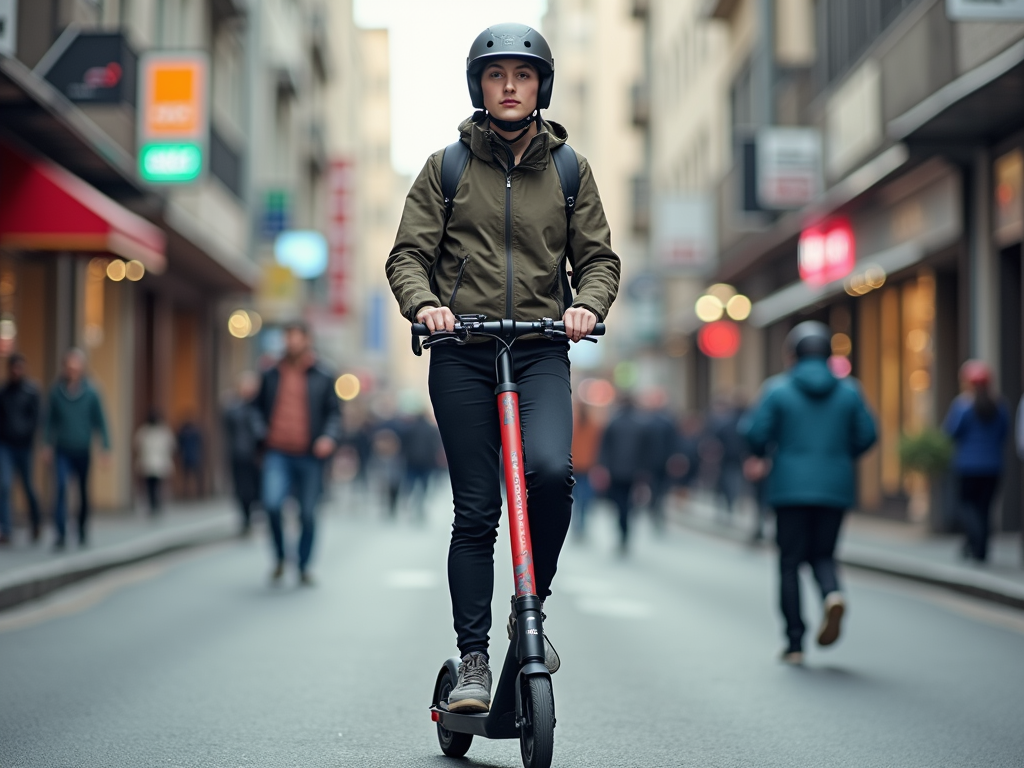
<point x="431" y="342"/>
<point x="563" y="335"/>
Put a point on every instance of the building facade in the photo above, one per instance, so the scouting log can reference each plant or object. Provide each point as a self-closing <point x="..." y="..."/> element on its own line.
<point x="144" y="275"/>
<point x="909" y="248"/>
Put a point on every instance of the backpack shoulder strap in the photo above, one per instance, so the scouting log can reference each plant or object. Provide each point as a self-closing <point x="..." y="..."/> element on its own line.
<point x="453" y="165"/>
<point x="568" y="167"/>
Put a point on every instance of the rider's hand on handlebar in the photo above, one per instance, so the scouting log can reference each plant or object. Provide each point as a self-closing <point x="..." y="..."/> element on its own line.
<point x="436" y="319"/>
<point x="579" y="321"/>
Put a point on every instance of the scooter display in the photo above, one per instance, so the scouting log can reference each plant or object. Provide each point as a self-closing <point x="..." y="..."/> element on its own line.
<point x="523" y="705"/>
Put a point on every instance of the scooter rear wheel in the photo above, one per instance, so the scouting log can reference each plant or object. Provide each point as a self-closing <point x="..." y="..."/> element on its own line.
<point x="537" y="736"/>
<point x="452" y="744"/>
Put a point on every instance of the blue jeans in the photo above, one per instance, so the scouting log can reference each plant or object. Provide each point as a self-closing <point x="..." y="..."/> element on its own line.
<point x="18" y="459"/>
<point x="300" y="477"/>
<point x="68" y="463"/>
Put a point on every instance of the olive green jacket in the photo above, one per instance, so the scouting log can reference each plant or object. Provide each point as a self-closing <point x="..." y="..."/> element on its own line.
<point x="503" y="249"/>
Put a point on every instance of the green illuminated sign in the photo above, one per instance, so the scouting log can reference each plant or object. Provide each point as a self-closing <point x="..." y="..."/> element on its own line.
<point x="171" y="162"/>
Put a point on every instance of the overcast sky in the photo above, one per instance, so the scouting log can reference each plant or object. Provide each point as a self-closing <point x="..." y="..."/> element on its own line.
<point x="429" y="43"/>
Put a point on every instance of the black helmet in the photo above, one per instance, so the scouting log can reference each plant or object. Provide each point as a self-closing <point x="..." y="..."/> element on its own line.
<point x="810" y="339"/>
<point x="510" y="41"/>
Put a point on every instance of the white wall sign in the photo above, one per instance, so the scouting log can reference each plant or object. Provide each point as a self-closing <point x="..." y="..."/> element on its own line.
<point x="789" y="167"/>
<point x="684" y="233"/>
<point x="985" y="10"/>
<point x="8" y="27"/>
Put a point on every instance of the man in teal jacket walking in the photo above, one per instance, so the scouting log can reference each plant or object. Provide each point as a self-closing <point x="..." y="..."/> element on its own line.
<point x="74" y="415"/>
<point x="814" y="426"/>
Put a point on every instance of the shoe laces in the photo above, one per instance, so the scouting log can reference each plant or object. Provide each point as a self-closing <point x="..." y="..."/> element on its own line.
<point x="474" y="669"/>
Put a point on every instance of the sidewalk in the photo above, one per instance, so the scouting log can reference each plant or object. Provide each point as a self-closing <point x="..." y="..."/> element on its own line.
<point x="894" y="548"/>
<point x="28" y="572"/>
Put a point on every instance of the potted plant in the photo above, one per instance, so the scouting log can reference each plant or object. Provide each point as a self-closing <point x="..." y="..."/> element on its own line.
<point x="929" y="453"/>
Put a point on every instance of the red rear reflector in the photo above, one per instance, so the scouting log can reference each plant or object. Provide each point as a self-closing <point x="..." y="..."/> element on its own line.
<point x="435" y="716"/>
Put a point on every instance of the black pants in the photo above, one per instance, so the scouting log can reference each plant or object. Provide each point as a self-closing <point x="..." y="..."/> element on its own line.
<point x="976" y="495"/>
<point x="462" y="382"/>
<point x="153" y="493"/>
<point x="805" y="535"/>
<point x="245" y="475"/>
<point x="68" y="464"/>
<point x="620" y="493"/>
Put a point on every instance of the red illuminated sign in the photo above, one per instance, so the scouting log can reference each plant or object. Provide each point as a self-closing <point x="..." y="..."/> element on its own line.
<point x="341" y="180"/>
<point x="719" y="339"/>
<point x="826" y="252"/>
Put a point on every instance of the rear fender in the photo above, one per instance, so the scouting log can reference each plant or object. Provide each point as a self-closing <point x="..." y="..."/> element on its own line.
<point x="451" y="665"/>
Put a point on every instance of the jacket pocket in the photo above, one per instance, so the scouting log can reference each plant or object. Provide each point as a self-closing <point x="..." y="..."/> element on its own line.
<point x="458" y="282"/>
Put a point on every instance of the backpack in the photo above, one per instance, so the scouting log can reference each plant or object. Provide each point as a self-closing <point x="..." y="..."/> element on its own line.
<point x="453" y="165"/>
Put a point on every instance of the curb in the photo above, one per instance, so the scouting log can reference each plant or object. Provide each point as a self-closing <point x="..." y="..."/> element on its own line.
<point x="979" y="584"/>
<point x="35" y="581"/>
<point x="976" y="584"/>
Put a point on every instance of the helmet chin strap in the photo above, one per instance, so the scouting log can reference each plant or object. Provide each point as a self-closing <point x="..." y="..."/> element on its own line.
<point x="516" y="125"/>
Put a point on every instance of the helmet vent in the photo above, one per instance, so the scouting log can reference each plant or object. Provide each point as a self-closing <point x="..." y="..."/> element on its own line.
<point x="490" y="43"/>
<point x="527" y="43"/>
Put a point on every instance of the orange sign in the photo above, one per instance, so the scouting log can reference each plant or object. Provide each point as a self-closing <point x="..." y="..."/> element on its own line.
<point x="173" y="96"/>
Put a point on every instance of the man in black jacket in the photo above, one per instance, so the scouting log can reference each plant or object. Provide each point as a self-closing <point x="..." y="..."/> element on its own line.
<point x="19" y="419"/>
<point x="301" y="417"/>
<point x="242" y="434"/>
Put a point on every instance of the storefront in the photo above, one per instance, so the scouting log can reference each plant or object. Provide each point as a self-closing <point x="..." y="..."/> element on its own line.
<point x="892" y="301"/>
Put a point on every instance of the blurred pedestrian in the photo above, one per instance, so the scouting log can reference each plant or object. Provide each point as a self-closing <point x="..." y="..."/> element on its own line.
<point x="979" y="423"/>
<point x="74" y="415"/>
<point x="386" y="468"/>
<point x="155" y="446"/>
<point x="190" y="450"/>
<point x="243" y="430"/>
<point x="19" y="420"/>
<point x="586" y="445"/>
<point x="421" y="444"/>
<point x="723" y="428"/>
<point x="658" y="446"/>
<point x="684" y="463"/>
<point x="622" y="459"/>
<point x="301" y="415"/>
<point x="815" y="425"/>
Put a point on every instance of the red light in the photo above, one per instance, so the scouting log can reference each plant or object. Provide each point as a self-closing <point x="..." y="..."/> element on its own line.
<point x="840" y="366"/>
<point x="827" y="253"/>
<point x="719" y="339"/>
<point x="435" y="716"/>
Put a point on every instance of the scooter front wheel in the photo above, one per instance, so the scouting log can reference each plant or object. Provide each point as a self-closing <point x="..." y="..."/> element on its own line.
<point x="537" y="729"/>
<point x="452" y="744"/>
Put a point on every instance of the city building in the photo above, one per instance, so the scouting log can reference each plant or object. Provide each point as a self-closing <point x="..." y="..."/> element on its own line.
<point x="598" y="47"/>
<point x="902" y="230"/>
<point x="138" y="222"/>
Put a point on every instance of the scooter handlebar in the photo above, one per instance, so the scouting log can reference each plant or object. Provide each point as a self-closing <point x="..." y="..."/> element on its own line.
<point x="496" y="327"/>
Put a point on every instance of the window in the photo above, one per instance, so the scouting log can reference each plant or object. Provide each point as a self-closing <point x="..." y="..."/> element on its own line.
<point x="847" y="28"/>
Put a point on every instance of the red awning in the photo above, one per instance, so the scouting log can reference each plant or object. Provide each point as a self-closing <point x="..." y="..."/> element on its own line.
<point x="43" y="207"/>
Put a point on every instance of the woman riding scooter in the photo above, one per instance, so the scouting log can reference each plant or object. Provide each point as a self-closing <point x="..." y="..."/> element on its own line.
<point x="499" y="248"/>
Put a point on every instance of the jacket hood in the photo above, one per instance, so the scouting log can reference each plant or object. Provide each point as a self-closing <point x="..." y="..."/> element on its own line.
<point x="813" y="377"/>
<point x="476" y="132"/>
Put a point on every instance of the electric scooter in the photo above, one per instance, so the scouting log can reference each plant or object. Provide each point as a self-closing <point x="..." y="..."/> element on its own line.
<point x="523" y="706"/>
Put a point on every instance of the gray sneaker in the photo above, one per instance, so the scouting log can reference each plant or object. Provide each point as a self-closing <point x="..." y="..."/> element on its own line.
<point x="551" y="660"/>
<point x="472" y="693"/>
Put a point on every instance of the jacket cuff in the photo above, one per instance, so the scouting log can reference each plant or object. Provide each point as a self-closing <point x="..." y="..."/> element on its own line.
<point x="420" y="301"/>
<point x="583" y="303"/>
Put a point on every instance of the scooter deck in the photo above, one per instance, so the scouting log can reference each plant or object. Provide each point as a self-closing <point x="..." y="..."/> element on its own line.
<point x="500" y="722"/>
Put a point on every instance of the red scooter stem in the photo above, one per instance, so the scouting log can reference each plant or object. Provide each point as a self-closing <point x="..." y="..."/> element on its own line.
<point x="515" y="484"/>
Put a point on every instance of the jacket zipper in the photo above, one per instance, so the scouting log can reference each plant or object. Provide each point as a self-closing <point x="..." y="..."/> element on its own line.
<point x="458" y="282"/>
<point x="508" y="244"/>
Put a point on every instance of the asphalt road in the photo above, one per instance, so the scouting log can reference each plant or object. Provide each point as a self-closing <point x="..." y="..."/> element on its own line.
<point x="669" y="659"/>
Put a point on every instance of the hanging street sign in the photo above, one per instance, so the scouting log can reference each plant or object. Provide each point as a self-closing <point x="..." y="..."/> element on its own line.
<point x="173" y="116"/>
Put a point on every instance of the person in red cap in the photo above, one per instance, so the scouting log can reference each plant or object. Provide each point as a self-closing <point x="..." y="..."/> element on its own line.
<point x="979" y="423"/>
